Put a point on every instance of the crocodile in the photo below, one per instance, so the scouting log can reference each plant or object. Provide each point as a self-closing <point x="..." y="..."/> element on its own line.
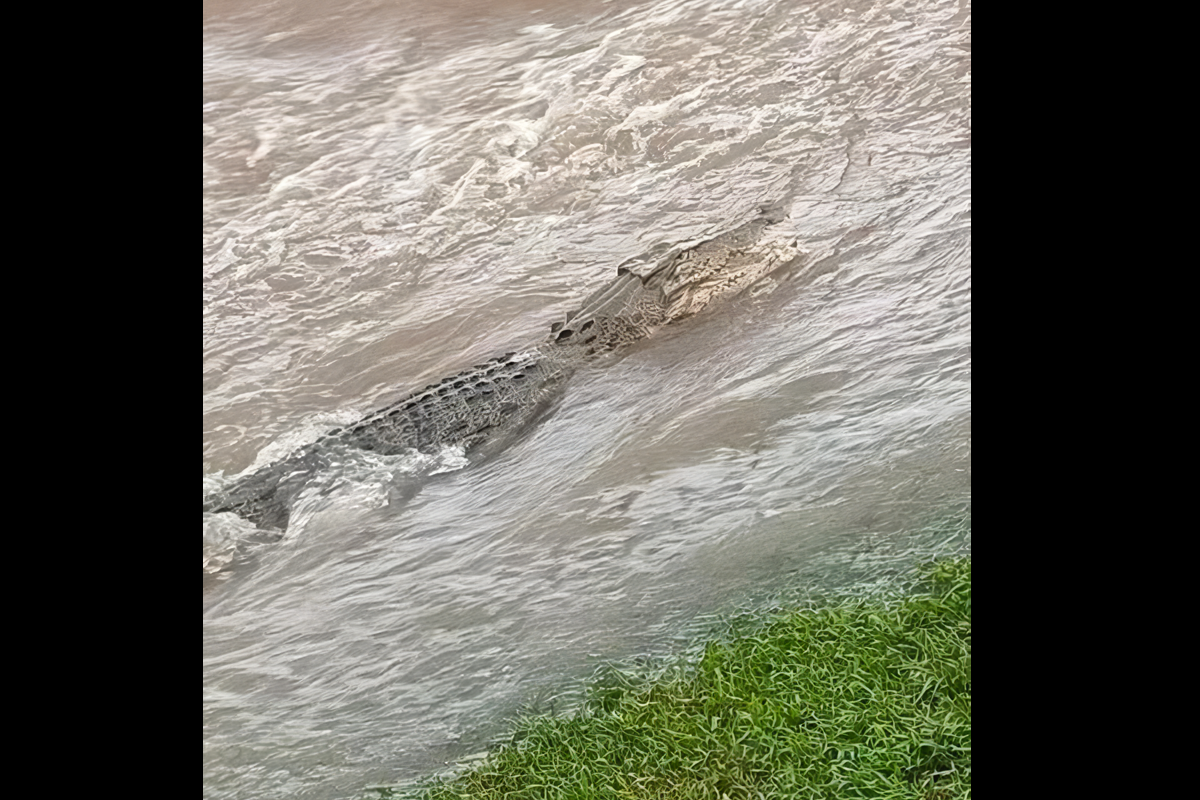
<point x="503" y="395"/>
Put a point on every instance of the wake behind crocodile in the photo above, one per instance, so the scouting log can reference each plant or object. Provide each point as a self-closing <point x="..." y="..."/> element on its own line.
<point x="482" y="408"/>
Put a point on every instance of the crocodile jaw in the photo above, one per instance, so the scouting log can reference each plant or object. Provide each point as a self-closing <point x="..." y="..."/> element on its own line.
<point x="697" y="277"/>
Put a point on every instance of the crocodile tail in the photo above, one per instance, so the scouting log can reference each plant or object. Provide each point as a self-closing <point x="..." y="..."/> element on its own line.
<point x="265" y="497"/>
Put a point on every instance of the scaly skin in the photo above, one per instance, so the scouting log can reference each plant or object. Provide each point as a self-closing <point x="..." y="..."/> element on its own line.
<point x="506" y="393"/>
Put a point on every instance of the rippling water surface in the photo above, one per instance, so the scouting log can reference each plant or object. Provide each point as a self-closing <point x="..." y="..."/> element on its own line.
<point x="400" y="190"/>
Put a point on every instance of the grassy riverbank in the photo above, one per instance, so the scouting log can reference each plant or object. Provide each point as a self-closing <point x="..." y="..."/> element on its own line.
<point x="847" y="700"/>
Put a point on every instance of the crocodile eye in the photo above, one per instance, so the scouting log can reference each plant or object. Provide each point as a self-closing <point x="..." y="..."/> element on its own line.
<point x="566" y="334"/>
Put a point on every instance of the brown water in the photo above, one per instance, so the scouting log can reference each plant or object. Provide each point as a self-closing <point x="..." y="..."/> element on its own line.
<point x="403" y="190"/>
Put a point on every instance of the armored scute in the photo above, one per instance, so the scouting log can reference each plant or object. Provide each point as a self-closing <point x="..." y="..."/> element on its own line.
<point x="505" y="393"/>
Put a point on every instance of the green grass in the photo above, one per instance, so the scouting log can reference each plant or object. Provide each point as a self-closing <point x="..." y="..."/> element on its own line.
<point x="853" y="699"/>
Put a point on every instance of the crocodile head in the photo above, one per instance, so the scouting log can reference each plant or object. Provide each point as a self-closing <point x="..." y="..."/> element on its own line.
<point x="649" y="294"/>
<point x="690" y="280"/>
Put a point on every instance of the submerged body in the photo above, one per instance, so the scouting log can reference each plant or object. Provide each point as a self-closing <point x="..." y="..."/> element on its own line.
<point x="489" y="400"/>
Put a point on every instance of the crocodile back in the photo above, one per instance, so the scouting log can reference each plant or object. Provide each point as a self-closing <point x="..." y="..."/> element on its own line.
<point x="504" y="394"/>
